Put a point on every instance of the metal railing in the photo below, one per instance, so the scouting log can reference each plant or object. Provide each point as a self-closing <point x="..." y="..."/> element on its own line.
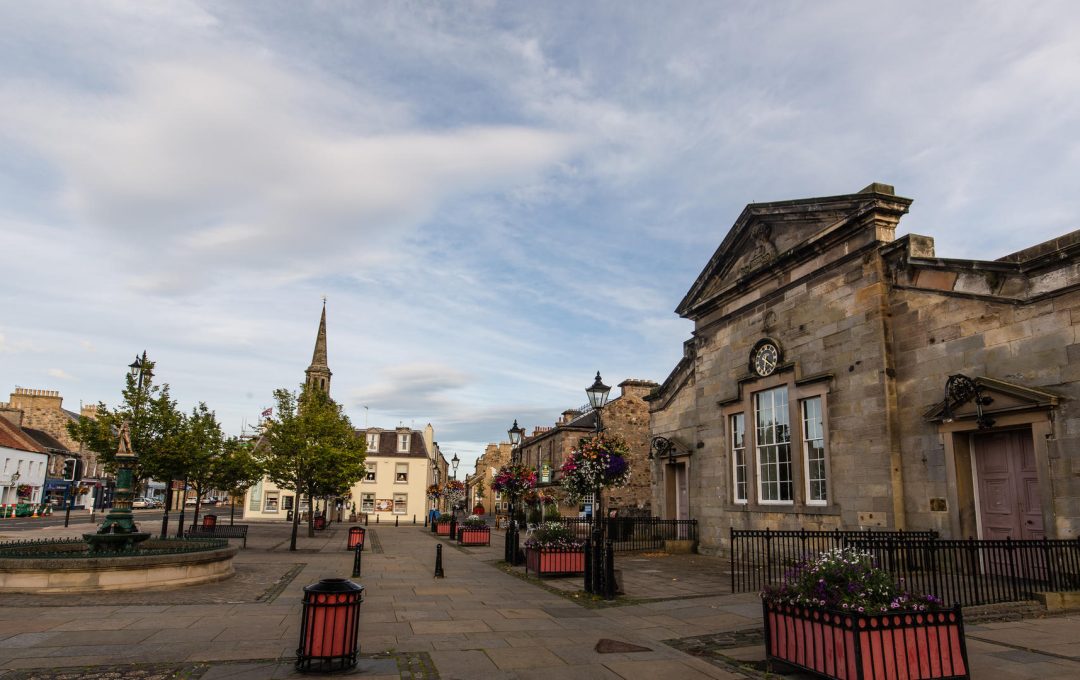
<point x="630" y="534"/>
<point x="961" y="572"/>
<point x="759" y="557"/>
<point x="973" y="572"/>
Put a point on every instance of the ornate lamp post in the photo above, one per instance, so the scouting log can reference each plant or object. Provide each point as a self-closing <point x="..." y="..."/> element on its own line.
<point x="516" y="433"/>
<point x="598" y="396"/>
<point x="118" y="533"/>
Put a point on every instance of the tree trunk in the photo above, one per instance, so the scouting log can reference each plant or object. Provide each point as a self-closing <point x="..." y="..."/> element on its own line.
<point x="232" y="508"/>
<point x="295" y="523"/>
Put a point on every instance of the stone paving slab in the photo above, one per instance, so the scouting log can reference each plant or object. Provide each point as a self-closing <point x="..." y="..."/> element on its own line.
<point x="478" y="622"/>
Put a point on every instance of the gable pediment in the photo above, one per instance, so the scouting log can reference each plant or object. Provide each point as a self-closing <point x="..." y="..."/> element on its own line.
<point x="1005" y="397"/>
<point x="770" y="237"/>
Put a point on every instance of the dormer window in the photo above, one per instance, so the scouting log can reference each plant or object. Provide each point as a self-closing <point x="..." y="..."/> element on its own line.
<point x="372" y="442"/>
<point x="403" y="443"/>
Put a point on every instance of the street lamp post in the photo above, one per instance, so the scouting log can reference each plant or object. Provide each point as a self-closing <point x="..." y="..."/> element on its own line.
<point x="453" y="503"/>
<point x="515" y="432"/>
<point x="598" y="396"/>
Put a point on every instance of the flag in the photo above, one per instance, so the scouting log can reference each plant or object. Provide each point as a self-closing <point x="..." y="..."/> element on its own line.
<point x="267" y="413"/>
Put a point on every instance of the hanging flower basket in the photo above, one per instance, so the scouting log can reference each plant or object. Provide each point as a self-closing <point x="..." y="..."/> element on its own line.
<point x="514" y="480"/>
<point x="434" y="492"/>
<point x="538" y="497"/>
<point x="598" y="462"/>
<point x="23" y="490"/>
<point x="454" y="491"/>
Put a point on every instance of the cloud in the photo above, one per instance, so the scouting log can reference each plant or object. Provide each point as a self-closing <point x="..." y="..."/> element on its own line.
<point x="60" y="373"/>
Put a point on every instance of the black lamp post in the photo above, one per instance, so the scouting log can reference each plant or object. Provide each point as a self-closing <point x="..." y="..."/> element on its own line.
<point x="516" y="433"/>
<point x="598" y="396"/>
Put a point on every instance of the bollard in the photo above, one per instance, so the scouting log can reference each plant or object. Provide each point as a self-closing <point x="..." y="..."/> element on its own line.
<point x="356" y="560"/>
<point x="376" y="519"/>
<point x="438" y="562"/>
<point x="414" y="520"/>
<point x="329" y="626"/>
<point x="425" y="519"/>
<point x="588" y="566"/>
<point x="396" y="521"/>
<point x="609" y="571"/>
<point x="366" y="516"/>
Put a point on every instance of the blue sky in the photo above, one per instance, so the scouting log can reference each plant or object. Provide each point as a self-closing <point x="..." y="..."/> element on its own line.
<point x="498" y="199"/>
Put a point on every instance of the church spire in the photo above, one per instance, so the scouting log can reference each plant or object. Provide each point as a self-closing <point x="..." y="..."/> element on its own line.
<point x="318" y="373"/>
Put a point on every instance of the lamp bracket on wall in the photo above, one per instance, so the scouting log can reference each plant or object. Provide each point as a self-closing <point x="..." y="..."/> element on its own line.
<point x="959" y="389"/>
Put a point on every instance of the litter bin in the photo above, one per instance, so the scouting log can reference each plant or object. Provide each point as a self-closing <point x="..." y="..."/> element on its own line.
<point x="209" y="521"/>
<point x="356" y="538"/>
<point x="329" y="626"/>
<point x="320" y="522"/>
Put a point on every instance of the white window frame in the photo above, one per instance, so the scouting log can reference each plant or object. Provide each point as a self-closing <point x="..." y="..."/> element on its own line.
<point x="371" y="472"/>
<point x="373" y="442"/>
<point x="767" y="445"/>
<point x="272" y="496"/>
<point x="403" y="500"/>
<point x="365" y="505"/>
<point x="740" y="491"/>
<point x="403" y="443"/>
<point x="398" y="467"/>
<point x="813" y="430"/>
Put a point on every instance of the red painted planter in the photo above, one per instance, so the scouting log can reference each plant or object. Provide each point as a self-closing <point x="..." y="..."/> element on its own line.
<point x="468" y="536"/>
<point x="442" y="528"/>
<point x="545" y="562"/>
<point x="853" y="646"/>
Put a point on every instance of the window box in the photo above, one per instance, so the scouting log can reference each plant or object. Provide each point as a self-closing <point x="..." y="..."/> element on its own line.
<point x="544" y="562"/>
<point x="857" y="646"/>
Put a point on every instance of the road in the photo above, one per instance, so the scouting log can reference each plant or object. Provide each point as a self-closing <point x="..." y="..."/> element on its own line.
<point x="149" y="520"/>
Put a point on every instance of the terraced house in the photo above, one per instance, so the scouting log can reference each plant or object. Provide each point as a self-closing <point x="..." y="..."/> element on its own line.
<point x="840" y="377"/>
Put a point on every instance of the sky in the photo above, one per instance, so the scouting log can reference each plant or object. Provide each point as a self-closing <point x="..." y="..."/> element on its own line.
<point x="497" y="199"/>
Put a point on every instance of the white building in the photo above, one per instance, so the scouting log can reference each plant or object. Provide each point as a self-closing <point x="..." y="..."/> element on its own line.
<point x="22" y="463"/>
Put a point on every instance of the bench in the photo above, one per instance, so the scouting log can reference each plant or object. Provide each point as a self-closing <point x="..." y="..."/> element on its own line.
<point x="219" y="531"/>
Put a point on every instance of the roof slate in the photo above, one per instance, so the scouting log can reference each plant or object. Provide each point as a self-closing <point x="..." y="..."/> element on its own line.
<point x="13" y="437"/>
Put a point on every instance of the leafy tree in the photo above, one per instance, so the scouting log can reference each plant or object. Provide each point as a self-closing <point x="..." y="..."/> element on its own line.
<point x="155" y="423"/>
<point x="310" y="448"/>
<point x="200" y="444"/>
<point x="236" y="470"/>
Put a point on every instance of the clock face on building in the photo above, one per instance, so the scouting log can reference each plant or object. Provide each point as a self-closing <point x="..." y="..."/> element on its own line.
<point x="766" y="357"/>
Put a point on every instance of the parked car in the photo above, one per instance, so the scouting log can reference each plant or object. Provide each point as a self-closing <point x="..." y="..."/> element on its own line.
<point x="144" y="503"/>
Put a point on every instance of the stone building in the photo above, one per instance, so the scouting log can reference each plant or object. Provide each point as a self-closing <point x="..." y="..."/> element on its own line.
<point x="626" y="416"/>
<point x="479" y="482"/>
<point x="42" y="415"/>
<point x="813" y="391"/>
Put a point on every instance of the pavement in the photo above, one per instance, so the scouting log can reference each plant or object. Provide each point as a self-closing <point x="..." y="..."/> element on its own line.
<point x="481" y="621"/>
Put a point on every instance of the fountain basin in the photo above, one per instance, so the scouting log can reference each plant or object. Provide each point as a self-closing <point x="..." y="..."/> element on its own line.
<point x="66" y="566"/>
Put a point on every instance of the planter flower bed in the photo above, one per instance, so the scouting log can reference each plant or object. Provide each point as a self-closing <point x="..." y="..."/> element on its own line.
<point x="553" y="550"/>
<point x="442" y="528"/>
<point x="841" y="617"/>
<point x="473" y="531"/>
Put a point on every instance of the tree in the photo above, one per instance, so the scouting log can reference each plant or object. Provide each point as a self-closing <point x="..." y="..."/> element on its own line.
<point x="154" y="421"/>
<point x="200" y="444"/>
<point x="310" y="448"/>
<point x="236" y="470"/>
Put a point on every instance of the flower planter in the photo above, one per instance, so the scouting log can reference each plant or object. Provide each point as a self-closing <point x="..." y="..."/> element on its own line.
<point x="853" y="646"/>
<point x="467" y="536"/>
<point x="546" y="562"/>
<point x="442" y="528"/>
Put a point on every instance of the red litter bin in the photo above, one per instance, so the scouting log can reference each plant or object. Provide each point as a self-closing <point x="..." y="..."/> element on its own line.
<point x="320" y="522"/>
<point x="329" y="626"/>
<point x="209" y="521"/>
<point x="356" y="538"/>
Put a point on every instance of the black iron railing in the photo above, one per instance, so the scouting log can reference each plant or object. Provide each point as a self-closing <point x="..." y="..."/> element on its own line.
<point x="972" y="572"/>
<point x="759" y="557"/>
<point x="630" y="534"/>
<point x="961" y="572"/>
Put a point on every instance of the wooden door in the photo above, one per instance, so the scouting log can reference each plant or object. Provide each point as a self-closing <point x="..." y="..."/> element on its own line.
<point x="1008" y="483"/>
